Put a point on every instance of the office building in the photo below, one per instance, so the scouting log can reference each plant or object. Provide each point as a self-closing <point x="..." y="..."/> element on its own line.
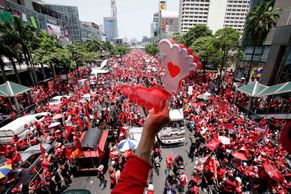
<point x="110" y="23"/>
<point x="110" y="28"/>
<point x="168" y="24"/>
<point x="272" y="59"/>
<point x="216" y="14"/>
<point x="38" y="15"/>
<point x="90" y="31"/>
<point x="69" y="14"/>
<point x="278" y="46"/>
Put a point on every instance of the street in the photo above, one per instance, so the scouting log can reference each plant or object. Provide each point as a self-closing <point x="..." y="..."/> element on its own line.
<point x="91" y="183"/>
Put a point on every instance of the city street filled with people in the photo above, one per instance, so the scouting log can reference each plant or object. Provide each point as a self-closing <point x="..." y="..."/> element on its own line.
<point x="81" y="129"/>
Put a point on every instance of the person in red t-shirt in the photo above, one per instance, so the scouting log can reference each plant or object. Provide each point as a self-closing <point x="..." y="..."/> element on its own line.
<point x="132" y="180"/>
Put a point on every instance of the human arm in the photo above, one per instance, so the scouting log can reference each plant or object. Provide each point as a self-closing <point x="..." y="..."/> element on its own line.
<point x="135" y="173"/>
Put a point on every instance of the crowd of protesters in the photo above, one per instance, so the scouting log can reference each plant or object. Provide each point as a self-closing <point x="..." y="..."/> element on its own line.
<point x="229" y="152"/>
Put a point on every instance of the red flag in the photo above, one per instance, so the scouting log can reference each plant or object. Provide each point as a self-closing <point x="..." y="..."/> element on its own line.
<point x="68" y="154"/>
<point x="213" y="144"/>
<point x="42" y="150"/>
<point x="203" y="160"/>
<point x="69" y="131"/>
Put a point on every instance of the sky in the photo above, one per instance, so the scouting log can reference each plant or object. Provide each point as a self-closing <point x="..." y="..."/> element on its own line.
<point x="134" y="16"/>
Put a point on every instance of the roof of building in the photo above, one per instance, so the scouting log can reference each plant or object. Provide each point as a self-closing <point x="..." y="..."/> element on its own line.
<point x="255" y="89"/>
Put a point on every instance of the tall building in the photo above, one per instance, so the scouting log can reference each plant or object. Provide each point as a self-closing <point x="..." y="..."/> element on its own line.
<point x="110" y="23"/>
<point x="272" y="59"/>
<point x="216" y="14"/>
<point x="110" y="28"/>
<point x="168" y="24"/>
<point x="278" y="46"/>
<point x="70" y="14"/>
<point x="90" y="31"/>
<point x="38" y="15"/>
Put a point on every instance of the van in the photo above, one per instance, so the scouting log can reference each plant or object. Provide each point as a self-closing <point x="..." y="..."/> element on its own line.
<point x="16" y="127"/>
<point x="174" y="132"/>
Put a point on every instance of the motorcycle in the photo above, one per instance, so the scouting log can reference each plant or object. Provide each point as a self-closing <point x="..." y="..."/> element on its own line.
<point x="156" y="163"/>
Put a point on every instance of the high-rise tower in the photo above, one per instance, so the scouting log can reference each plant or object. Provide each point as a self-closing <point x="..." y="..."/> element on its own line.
<point x="110" y="23"/>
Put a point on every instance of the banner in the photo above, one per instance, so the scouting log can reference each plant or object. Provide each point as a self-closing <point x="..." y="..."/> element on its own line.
<point x="54" y="30"/>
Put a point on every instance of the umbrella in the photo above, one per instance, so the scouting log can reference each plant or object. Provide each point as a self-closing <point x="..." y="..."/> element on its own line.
<point x="207" y="94"/>
<point x="273" y="172"/>
<point x="203" y="97"/>
<point x="4" y="170"/>
<point x="239" y="156"/>
<point x="57" y="116"/>
<point x="127" y="144"/>
<point x="224" y="140"/>
<point x="54" y="124"/>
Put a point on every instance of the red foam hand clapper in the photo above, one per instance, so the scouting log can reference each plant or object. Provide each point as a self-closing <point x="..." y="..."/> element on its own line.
<point x="178" y="64"/>
<point x="149" y="98"/>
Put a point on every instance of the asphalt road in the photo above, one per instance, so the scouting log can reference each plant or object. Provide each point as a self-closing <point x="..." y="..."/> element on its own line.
<point x="91" y="183"/>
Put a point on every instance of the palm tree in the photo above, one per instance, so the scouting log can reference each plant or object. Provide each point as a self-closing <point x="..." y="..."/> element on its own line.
<point x="260" y="20"/>
<point x="9" y="45"/>
<point x="94" y="45"/>
<point x="27" y="37"/>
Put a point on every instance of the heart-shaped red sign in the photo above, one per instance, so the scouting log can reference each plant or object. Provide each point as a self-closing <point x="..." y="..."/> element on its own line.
<point x="173" y="69"/>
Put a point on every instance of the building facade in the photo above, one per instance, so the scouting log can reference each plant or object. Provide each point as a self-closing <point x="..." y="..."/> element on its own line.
<point x="168" y="24"/>
<point x="39" y="16"/>
<point x="89" y="31"/>
<point x="110" y="28"/>
<point x="216" y="14"/>
<point x="272" y="59"/>
<point x="70" y="15"/>
<point x="278" y="64"/>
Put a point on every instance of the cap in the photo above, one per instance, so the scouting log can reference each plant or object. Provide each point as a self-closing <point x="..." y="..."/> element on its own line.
<point x="238" y="179"/>
<point x="151" y="187"/>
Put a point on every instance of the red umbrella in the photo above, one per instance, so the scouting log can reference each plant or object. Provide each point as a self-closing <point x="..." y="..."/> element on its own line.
<point x="239" y="155"/>
<point x="273" y="172"/>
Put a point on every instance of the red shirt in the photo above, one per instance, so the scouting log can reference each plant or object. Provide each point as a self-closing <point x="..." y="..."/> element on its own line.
<point x="132" y="180"/>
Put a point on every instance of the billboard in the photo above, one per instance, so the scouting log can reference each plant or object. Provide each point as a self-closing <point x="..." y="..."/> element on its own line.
<point x="163" y="5"/>
<point x="54" y="30"/>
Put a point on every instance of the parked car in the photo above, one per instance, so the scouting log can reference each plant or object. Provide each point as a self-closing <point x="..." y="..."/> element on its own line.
<point x="16" y="127"/>
<point x="25" y="174"/>
<point x="56" y="101"/>
<point x="76" y="191"/>
<point x="174" y="132"/>
<point x="94" y="149"/>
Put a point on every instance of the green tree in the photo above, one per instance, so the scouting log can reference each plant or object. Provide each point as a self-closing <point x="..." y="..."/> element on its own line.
<point x="81" y="54"/>
<point x="108" y="47"/>
<point x="227" y="40"/>
<point x="151" y="49"/>
<point x="51" y="53"/>
<point x="205" y="48"/>
<point x="121" y="50"/>
<point x="260" y="20"/>
<point x="94" y="45"/>
<point x="179" y="38"/>
<point x="199" y="30"/>
<point x="10" y="46"/>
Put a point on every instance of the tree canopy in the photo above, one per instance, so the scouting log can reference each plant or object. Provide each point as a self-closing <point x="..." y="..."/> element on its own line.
<point x="205" y="48"/>
<point x="199" y="30"/>
<point x="260" y="20"/>
<point x="151" y="49"/>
